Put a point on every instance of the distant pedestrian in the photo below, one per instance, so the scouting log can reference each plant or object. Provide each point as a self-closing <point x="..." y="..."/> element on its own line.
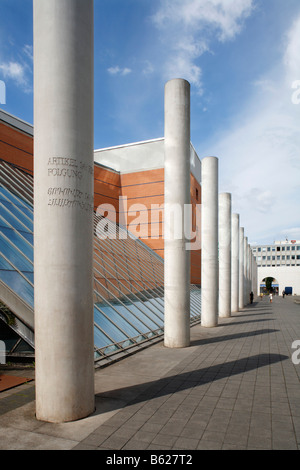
<point x="283" y="293"/>
<point x="261" y="296"/>
<point x="251" y="297"/>
<point x="271" y="297"/>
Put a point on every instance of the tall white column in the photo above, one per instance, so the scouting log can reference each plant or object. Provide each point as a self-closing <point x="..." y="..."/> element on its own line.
<point x="224" y="255"/>
<point x="255" y="278"/>
<point x="177" y="195"/>
<point x="241" y="268"/>
<point x="63" y="209"/>
<point x="209" y="242"/>
<point x="249" y="272"/>
<point x="246" y="300"/>
<point x="235" y="241"/>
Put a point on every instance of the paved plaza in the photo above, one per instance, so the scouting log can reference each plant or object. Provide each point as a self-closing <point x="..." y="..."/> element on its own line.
<point x="236" y="387"/>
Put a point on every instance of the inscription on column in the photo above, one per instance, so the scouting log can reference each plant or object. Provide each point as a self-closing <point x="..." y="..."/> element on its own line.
<point x="66" y="171"/>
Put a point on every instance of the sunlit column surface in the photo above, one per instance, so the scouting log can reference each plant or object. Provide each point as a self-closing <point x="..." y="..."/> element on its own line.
<point x="246" y="300"/>
<point x="177" y="195"/>
<point x="209" y="242"/>
<point x="235" y="244"/>
<point x="225" y="255"/>
<point x="63" y="208"/>
<point x="241" y="268"/>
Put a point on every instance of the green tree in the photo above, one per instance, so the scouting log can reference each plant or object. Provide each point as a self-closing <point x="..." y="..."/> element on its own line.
<point x="268" y="282"/>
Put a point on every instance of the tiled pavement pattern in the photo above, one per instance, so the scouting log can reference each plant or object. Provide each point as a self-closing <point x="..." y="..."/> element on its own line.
<point x="236" y="388"/>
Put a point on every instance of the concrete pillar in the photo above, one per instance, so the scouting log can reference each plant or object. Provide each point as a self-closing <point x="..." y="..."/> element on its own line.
<point x="177" y="194"/>
<point x="235" y="244"/>
<point x="248" y="272"/>
<point x="63" y="209"/>
<point x="246" y="300"/>
<point x="209" y="243"/>
<point x="241" y="268"/>
<point x="224" y="255"/>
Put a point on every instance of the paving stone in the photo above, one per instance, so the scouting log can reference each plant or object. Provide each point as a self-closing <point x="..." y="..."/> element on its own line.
<point x="235" y="388"/>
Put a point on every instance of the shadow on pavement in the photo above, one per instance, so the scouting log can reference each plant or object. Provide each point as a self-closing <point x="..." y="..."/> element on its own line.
<point x="187" y="380"/>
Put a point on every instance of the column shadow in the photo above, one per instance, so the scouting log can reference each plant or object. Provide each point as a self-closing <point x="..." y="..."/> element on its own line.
<point x="218" y="339"/>
<point x="170" y="384"/>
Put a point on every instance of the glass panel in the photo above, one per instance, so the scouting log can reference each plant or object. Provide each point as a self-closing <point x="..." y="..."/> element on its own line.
<point x="18" y="214"/>
<point x="14" y="256"/>
<point x="108" y="327"/>
<point x="18" y="241"/>
<point x="16" y="282"/>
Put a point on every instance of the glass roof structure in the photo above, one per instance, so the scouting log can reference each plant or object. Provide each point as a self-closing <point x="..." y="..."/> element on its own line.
<point x="128" y="275"/>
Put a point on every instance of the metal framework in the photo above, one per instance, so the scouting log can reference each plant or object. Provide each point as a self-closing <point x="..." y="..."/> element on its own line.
<point x="128" y="275"/>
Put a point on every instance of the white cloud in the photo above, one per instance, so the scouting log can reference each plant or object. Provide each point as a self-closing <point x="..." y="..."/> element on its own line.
<point x="259" y="155"/>
<point x="13" y="70"/>
<point x="292" y="57"/>
<point x="225" y="16"/>
<point x="148" y="68"/>
<point x="187" y="28"/>
<point x="19" y="71"/>
<point x="119" y="71"/>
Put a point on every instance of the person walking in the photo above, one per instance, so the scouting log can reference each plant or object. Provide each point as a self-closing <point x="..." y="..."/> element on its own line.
<point x="271" y="297"/>
<point x="251" y="297"/>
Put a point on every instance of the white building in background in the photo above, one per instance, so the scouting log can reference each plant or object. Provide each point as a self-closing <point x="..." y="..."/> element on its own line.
<point x="280" y="261"/>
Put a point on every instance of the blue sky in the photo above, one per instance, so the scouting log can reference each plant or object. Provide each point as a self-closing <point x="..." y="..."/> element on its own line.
<point x="241" y="58"/>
